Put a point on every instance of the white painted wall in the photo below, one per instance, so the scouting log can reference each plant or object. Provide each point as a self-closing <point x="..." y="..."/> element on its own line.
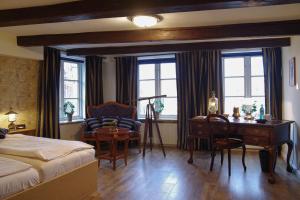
<point x="291" y="95"/>
<point x="9" y="47"/>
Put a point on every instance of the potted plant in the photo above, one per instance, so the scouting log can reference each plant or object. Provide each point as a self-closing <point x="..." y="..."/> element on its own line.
<point x="158" y="107"/>
<point x="248" y="110"/>
<point x="69" y="110"/>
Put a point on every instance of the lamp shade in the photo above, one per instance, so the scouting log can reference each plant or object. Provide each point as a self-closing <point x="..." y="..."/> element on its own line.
<point x="213" y="104"/>
<point x="12" y="115"/>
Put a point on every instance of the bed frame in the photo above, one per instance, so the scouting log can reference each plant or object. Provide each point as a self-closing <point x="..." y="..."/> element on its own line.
<point x="78" y="184"/>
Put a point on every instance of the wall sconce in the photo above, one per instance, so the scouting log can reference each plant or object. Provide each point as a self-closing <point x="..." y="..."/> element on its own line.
<point x="213" y="104"/>
<point x="12" y="117"/>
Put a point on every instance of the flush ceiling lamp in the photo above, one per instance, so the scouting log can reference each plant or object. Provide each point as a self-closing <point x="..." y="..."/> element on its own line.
<point x="145" y="21"/>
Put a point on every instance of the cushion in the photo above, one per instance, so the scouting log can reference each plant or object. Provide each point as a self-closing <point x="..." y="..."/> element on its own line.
<point x="3" y="132"/>
<point x="126" y="123"/>
<point x="109" y="121"/>
<point x="93" y="123"/>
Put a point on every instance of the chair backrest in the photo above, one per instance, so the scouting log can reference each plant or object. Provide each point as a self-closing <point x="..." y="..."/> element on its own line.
<point x="219" y="126"/>
<point x="112" y="109"/>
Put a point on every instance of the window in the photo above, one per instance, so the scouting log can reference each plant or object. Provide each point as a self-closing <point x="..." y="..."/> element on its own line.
<point x="72" y="87"/>
<point x="243" y="80"/>
<point x="157" y="76"/>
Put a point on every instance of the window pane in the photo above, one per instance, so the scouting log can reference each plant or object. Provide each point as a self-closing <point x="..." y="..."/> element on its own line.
<point x="234" y="87"/>
<point x="231" y="102"/>
<point x="70" y="71"/>
<point x="168" y="87"/>
<point x="234" y="66"/>
<point x="146" y="71"/>
<point x="257" y="86"/>
<point x="167" y="70"/>
<point x="170" y="106"/>
<point x="75" y="102"/>
<point x="257" y="68"/>
<point x="147" y="88"/>
<point x="142" y="108"/>
<point x="71" y="89"/>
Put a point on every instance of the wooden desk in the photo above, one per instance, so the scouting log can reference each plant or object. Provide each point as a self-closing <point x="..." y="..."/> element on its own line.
<point x="269" y="135"/>
<point x="30" y="132"/>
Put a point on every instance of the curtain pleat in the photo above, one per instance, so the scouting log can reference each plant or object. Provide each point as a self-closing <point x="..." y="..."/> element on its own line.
<point x="94" y="81"/>
<point x="198" y="73"/>
<point x="273" y="81"/>
<point x="126" y="79"/>
<point x="48" y="95"/>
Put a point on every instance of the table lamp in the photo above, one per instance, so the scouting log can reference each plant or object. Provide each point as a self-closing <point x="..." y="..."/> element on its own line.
<point x="12" y="116"/>
<point x="213" y="104"/>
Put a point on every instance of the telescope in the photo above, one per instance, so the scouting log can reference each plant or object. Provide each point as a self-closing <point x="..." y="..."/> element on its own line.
<point x="150" y="118"/>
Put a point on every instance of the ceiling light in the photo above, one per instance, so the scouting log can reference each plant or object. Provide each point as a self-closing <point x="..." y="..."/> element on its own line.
<point x="145" y="20"/>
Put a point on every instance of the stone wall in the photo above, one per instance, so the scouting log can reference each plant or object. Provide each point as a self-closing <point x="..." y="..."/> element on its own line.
<point x="18" y="89"/>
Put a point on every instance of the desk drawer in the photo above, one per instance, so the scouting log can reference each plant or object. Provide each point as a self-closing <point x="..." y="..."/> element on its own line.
<point x="256" y="141"/>
<point x="259" y="132"/>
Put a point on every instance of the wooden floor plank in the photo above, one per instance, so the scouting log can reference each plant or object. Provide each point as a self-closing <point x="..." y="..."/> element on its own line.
<point x="172" y="178"/>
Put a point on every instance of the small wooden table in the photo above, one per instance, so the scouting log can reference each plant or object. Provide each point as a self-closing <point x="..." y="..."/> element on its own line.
<point x="113" y="136"/>
<point x="30" y="132"/>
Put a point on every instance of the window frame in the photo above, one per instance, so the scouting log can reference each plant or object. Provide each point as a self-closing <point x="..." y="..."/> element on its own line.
<point x="157" y="79"/>
<point x="80" y="81"/>
<point x="247" y="73"/>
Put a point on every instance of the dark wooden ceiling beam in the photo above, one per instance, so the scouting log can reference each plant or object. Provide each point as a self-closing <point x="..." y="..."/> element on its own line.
<point x="95" y="9"/>
<point x="255" y="43"/>
<point x="278" y="28"/>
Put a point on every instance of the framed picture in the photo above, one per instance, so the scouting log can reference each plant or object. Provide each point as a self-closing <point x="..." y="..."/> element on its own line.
<point x="292" y="71"/>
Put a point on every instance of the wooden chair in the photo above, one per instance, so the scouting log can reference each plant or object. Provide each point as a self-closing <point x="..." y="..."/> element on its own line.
<point x="222" y="139"/>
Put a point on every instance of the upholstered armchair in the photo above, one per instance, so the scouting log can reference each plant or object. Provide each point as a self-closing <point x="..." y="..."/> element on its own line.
<point x="112" y="109"/>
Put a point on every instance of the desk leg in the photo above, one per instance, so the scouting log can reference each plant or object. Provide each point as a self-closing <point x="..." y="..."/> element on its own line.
<point x="272" y="157"/>
<point x="191" y="148"/>
<point x="290" y="144"/>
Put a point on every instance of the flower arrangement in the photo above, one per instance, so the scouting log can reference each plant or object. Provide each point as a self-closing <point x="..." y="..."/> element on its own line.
<point x="249" y="110"/>
<point x="69" y="110"/>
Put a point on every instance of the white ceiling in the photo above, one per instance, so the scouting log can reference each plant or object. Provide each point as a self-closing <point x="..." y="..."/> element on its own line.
<point x="184" y="19"/>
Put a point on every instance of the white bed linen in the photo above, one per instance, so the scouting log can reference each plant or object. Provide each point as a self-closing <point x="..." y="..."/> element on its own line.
<point x="10" y="166"/>
<point x="39" y="147"/>
<point x="50" y="169"/>
<point x="18" y="182"/>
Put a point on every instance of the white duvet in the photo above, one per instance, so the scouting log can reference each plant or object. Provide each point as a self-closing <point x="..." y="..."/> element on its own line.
<point x="38" y="147"/>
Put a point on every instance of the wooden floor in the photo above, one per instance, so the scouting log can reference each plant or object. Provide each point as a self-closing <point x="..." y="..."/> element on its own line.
<point x="158" y="178"/>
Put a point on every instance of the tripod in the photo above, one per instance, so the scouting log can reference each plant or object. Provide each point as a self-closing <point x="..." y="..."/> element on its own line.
<point x="149" y="119"/>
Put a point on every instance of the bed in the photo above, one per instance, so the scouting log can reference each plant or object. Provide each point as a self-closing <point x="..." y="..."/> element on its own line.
<point x="67" y="169"/>
<point x="15" y="177"/>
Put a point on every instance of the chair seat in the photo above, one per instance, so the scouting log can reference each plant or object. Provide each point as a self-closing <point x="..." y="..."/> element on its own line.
<point x="230" y="143"/>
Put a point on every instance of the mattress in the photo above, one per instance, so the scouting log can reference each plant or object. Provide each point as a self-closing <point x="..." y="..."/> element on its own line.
<point x="48" y="170"/>
<point x="18" y="182"/>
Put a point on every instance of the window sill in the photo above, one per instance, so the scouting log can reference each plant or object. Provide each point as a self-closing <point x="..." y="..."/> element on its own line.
<point x="171" y="121"/>
<point x="75" y="121"/>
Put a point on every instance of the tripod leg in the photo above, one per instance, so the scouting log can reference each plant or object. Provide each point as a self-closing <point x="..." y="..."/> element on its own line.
<point x="151" y="133"/>
<point x="145" y="131"/>
<point x="158" y="131"/>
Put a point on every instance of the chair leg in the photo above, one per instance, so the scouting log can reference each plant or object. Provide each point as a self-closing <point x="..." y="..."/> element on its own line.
<point x="222" y="156"/>
<point x="213" y="154"/>
<point x="139" y="143"/>
<point x="126" y="152"/>
<point x="229" y="162"/>
<point x="243" y="158"/>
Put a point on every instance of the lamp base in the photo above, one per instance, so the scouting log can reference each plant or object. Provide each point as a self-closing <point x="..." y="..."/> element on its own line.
<point x="12" y="126"/>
